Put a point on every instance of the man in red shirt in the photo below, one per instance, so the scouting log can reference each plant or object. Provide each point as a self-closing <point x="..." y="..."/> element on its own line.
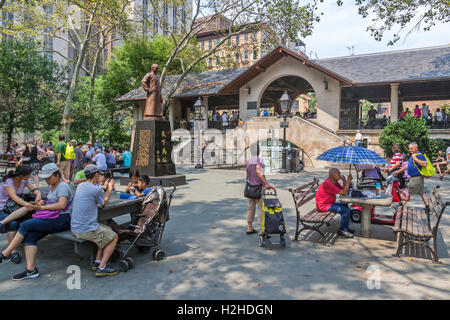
<point x="326" y="199"/>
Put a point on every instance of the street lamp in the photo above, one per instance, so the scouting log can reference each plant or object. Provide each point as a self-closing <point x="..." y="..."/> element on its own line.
<point x="285" y="103"/>
<point x="198" y="107"/>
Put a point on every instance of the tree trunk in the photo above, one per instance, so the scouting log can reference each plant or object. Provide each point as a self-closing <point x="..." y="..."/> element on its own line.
<point x="73" y="86"/>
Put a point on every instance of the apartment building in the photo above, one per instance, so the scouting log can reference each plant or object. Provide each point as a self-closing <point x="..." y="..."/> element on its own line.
<point x="242" y="49"/>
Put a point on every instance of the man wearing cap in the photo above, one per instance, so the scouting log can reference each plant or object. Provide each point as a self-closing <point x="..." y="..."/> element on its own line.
<point x="90" y="149"/>
<point x="84" y="222"/>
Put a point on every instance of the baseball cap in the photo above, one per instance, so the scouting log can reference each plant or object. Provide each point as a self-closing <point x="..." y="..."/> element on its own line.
<point x="92" y="169"/>
<point x="48" y="170"/>
<point x="89" y="142"/>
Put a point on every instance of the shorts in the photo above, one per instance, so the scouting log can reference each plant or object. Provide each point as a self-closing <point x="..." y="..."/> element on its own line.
<point x="101" y="237"/>
<point x="416" y="185"/>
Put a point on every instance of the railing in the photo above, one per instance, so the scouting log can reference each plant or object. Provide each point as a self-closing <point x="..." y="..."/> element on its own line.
<point x="379" y="124"/>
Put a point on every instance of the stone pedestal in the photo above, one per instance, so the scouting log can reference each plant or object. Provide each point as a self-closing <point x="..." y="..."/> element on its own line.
<point x="152" y="150"/>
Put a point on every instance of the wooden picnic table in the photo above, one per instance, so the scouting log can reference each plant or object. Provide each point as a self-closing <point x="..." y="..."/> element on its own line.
<point x="367" y="204"/>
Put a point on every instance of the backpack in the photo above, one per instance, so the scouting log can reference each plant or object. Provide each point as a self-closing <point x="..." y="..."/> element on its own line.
<point x="426" y="171"/>
<point x="69" y="154"/>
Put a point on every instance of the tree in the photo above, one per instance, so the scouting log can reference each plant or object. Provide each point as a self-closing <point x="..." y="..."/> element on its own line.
<point x="83" y="24"/>
<point x="30" y="88"/>
<point x="387" y="14"/>
<point x="286" y="19"/>
<point x="410" y="130"/>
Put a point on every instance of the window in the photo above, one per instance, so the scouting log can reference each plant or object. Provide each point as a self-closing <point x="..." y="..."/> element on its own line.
<point x="255" y="54"/>
<point x="237" y="57"/>
<point x="183" y="13"/>
<point x="229" y="42"/>
<point x="174" y="18"/>
<point x="203" y="45"/>
<point x="217" y="61"/>
<point x="255" y="36"/>
<point x="237" y="40"/>
<point x="246" y="56"/>
<point x="209" y="61"/>
<point x="217" y="42"/>
<point x="155" y="22"/>
<point x="145" y="15"/>
<point x="246" y="38"/>
<point x="209" y="44"/>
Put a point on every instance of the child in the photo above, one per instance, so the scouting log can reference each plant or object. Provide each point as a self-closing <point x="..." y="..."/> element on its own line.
<point x="141" y="190"/>
<point x="133" y="184"/>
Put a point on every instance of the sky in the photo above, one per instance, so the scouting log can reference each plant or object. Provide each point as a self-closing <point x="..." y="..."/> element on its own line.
<point x="342" y="27"/>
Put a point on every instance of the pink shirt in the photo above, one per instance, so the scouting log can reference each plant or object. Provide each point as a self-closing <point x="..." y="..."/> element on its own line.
<point x="253" y="178"/>
<point x="326" y="194"/>
<point x="417" y="113"/>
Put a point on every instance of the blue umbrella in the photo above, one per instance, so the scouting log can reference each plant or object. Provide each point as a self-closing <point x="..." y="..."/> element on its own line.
<point x="352" y="155"/>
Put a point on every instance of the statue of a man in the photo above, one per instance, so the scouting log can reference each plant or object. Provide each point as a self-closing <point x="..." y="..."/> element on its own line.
<point x="151" y="84"/>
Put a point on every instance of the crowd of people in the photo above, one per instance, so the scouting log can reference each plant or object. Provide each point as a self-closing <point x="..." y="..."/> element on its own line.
<point x="439" y="120"/>
<point x="29" y="219"/>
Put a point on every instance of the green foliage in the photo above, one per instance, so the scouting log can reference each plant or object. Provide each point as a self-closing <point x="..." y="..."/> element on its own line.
<point x="31" y="88"/>
<point x="401" y="14"/>
<point x="405" y="132"/>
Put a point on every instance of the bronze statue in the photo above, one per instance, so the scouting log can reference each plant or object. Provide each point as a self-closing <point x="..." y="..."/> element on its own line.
<point x="151" y="84"/>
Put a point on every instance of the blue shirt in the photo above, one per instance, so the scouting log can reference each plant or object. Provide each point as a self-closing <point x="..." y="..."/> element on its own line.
<point x="110" y="158"/>
<point x="126" y="156"/>
<point x="85" y="208"/>
<point x="100" y="161"/>
<point x="413" y="168"/>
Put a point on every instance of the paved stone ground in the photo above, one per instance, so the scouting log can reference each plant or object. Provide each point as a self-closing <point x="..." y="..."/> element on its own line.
<point x="224" y="263"/>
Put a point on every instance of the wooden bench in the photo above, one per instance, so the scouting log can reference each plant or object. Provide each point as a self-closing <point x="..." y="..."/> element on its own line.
<point x="416" y="226"/>
<point x="314" y="219"/>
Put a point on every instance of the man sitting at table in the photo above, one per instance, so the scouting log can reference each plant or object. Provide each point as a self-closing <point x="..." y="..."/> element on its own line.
<point x="84" y="223"/>
<point x="326" y="199"/>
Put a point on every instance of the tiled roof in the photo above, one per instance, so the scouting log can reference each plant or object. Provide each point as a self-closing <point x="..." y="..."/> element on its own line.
<point x="405" y="65"/>
<point x="195" y="84"/>
<point x="385" y="67"/>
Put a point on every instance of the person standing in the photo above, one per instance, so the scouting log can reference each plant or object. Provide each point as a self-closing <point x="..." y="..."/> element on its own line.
<point x="90" y="149"/>
<point x="110" y="160"/>
<point x="61" y="162"/>
<point x="358" y="139"/>
<point x="84" y="224"/>
<point x="30" y="156"/>
<point x="417" y="112"/>
<point x="126" y="156"/>
<point x="78" y="158"/>
<point x="224" y="120"/>
<point x="372" y="114"/>
<point x="326" y="199"/>
<point x="416" y="182"/>
<point x="425" y="110"/>
<point x="255" y="176"/>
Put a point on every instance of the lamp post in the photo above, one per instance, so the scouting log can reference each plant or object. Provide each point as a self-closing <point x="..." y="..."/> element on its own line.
<point x="198" y="107"/>
<point x="284" y="102"/>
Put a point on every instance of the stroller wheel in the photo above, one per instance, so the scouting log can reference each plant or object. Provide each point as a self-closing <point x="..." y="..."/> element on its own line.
<point x="123" y="266"/>
<point x="355" y="216"/>
<point x="144" y="250"/>
<point x="261" y="240"/>
<point x="158" y="255"/>
<point x="131" y="263"/>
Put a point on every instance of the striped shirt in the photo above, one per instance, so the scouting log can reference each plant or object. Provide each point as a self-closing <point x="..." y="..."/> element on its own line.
<point x="397" y="157"/>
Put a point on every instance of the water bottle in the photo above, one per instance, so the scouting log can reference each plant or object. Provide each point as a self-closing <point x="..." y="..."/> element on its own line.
<point x="378" y="190"/>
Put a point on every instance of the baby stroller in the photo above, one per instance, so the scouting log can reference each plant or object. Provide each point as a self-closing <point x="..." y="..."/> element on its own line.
<point x="272" y="218"/>
<point x="146" y="229"/>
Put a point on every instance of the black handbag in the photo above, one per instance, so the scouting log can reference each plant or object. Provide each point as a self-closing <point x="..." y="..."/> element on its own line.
<point x="253" y="191"/>
<point x="11" y="205"/>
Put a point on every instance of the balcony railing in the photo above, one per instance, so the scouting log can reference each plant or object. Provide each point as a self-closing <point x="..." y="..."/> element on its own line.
<point x="381" y="123"/>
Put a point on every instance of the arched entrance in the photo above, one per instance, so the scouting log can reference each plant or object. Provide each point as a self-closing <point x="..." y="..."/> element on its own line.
<point x="294" y="85"/>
